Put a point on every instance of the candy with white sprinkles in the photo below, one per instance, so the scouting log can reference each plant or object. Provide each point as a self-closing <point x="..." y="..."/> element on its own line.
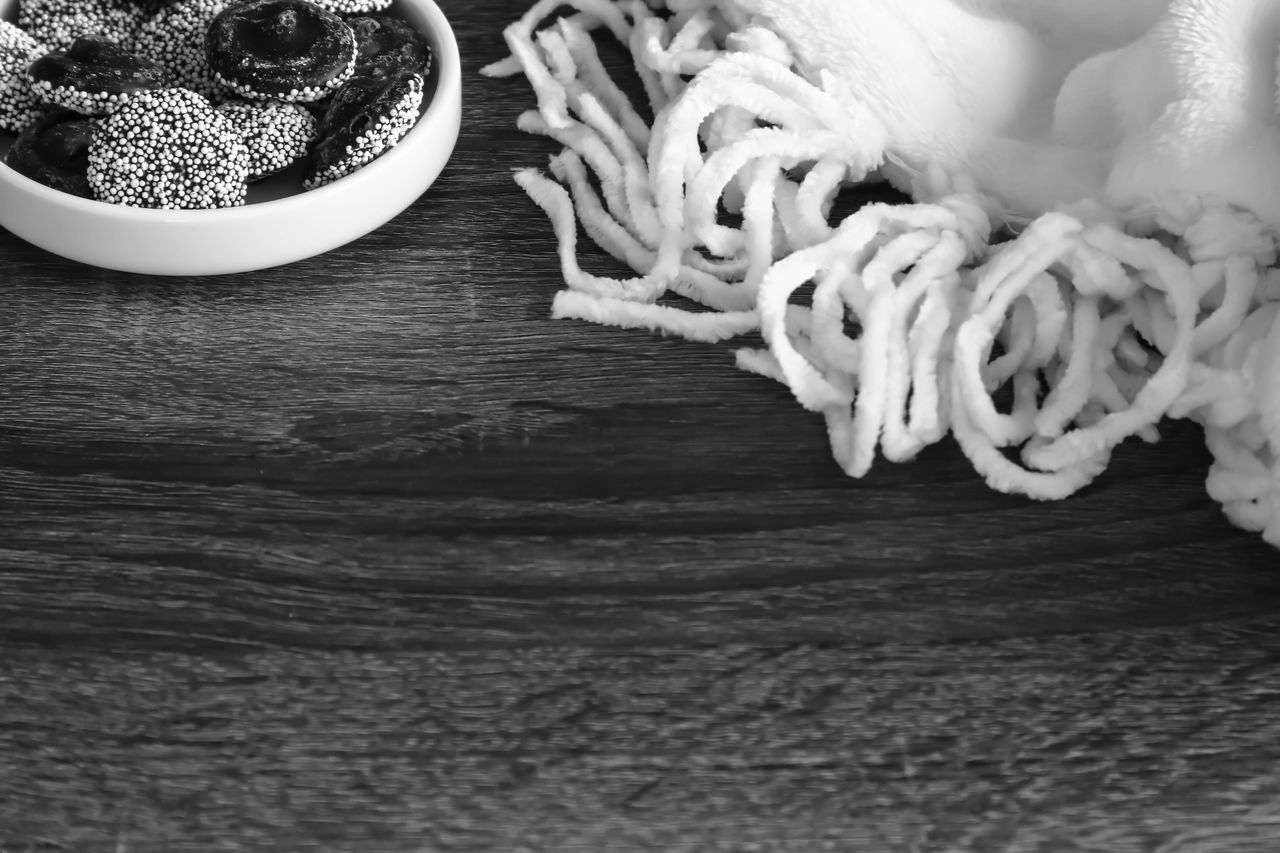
<point x="276" y="133"/>
<point x="289" y="50"/>
<point x="19" y="105"/>
<point x="174" y="37"/>
<point x="366" y="118"/>
<point x="168" y="148"/>
<point x="353" y="7"/>
<point x="93" y="76"/>
<point x="58" y="23"/>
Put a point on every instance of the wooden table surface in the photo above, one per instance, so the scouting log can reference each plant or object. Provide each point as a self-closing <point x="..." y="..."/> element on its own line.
<point x="366" y="553"/>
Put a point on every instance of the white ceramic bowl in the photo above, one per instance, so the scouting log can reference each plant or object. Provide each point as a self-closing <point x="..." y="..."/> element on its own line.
<point x="278" y="225"/>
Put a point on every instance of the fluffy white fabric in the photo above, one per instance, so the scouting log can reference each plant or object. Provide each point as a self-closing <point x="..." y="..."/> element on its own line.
<point x="1046" y="102"/>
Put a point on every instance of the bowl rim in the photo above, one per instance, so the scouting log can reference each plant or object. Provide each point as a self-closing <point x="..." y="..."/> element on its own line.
<point x="446" y="68"/>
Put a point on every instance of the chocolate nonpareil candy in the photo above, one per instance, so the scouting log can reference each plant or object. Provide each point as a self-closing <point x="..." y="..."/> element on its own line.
<point x="93" y="76"/>
<point x="366" y="117"/>
<point x="288" y="50"/>
<point x="55" y="151"/>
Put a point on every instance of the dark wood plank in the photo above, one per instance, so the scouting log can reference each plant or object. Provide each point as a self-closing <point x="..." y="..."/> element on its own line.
<point x="798" y="747"/>
<point x="366" y="553"/>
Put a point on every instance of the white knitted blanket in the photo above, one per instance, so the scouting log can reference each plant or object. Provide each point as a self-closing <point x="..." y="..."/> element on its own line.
<point x="1090" y="248"/>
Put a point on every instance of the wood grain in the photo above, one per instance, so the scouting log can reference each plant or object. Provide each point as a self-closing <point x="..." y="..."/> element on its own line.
<point x="366" y="553"/>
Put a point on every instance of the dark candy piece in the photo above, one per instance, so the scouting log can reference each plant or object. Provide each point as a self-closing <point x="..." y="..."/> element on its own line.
<point x="55" y="152"/>
<point x="150" y="7"/>
<point x="386" y="45"/>
<point x="366" y="117"/>
<point x="289" y="50"/>
<point x="93" y="76"/>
